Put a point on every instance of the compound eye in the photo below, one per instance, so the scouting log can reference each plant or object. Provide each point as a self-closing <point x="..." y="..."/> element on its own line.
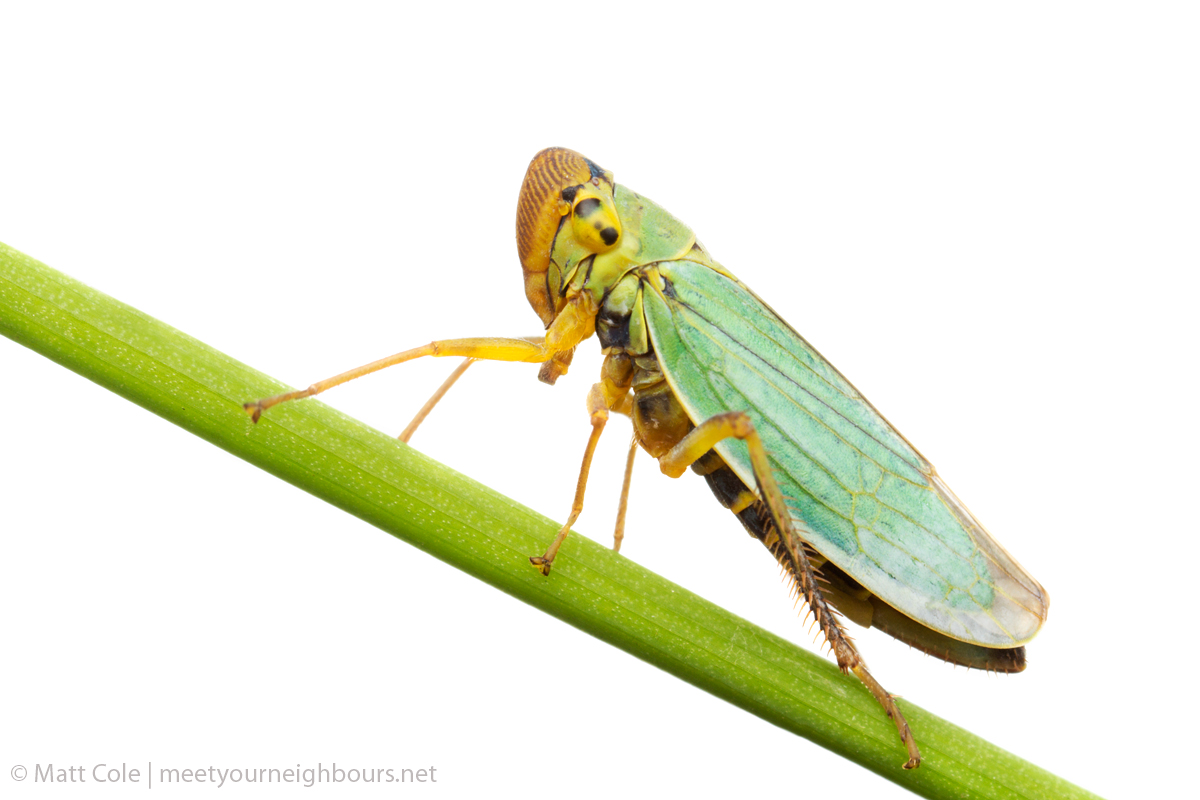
<point x="595" y="223"/>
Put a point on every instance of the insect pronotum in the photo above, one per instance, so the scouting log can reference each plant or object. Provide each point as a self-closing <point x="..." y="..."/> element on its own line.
<point x="714" y="380"/>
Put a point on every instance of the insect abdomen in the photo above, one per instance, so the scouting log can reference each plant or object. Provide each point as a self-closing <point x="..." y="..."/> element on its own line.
<point x="843" y="592"/>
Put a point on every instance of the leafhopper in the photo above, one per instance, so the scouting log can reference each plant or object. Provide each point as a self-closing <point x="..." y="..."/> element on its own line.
<point x="714" y="380"/>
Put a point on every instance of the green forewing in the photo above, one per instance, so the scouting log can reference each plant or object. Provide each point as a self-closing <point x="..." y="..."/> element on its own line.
<point x="858" y="492"/>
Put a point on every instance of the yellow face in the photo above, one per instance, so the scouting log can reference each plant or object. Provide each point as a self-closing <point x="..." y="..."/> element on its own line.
<point x="561" y="189"/>
<point x="594" y="220"/>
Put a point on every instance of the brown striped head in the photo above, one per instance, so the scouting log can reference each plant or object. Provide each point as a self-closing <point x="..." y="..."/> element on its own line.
<point x="566" y="209"/>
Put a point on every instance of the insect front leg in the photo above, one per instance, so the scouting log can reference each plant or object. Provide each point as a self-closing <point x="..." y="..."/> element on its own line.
<point x="492" y="349"/>
<point x="437" y="396"/>
<point x="598" y="414"/>
<point x="738" y="425"/>
<point x="572" y="325"/>
<point x="407" y="433"/>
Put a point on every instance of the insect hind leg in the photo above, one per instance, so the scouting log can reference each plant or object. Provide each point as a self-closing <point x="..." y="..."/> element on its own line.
<point x="789" y="548"/>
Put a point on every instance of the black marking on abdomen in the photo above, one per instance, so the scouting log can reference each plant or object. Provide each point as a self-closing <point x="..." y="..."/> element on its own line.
<point x="729" y="490"/>
<point x="726" y="485"/>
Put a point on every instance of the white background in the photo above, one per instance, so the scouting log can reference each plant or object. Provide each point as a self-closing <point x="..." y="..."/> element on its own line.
<point x="987" y="220"/>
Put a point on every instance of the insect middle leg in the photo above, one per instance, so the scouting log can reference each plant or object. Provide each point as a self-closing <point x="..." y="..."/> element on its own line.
<point x="598" y="413"/>
<point x="737" y="425"/>
<point x="623" y="506"/>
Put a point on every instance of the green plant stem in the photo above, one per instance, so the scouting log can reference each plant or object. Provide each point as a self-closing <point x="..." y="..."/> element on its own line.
<point x="412" y="497"/>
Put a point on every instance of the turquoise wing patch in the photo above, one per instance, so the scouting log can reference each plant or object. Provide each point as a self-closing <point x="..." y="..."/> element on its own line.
<point x="856" y="489"/>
